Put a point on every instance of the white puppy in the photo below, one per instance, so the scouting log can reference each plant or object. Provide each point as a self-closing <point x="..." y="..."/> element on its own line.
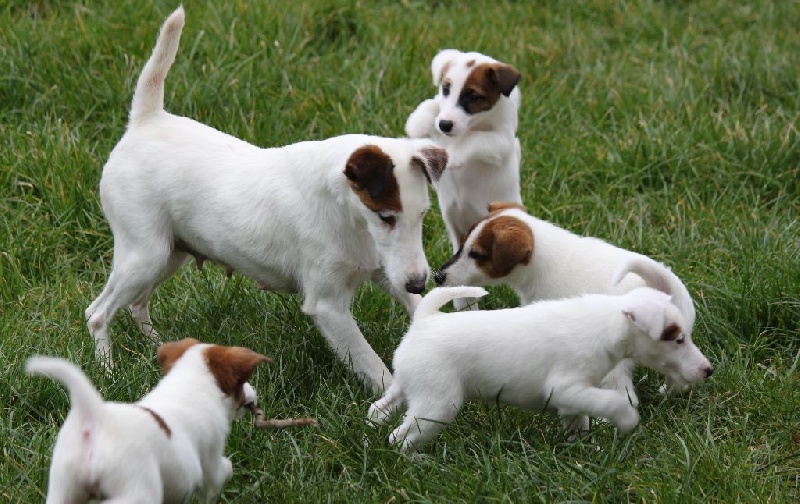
<point x="473" y="116"/>
<point x="547" y="355"/>
<point x="542" y="261"/>
<point x="319" y="218"/>
<point x="164" y="448"/>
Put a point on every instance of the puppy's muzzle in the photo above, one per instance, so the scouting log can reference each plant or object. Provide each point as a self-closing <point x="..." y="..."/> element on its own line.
<point x="445" y="126"/>
<point x="709" y="371"/>
<point x="440" y="277"/>
<point x="416" y="284"/>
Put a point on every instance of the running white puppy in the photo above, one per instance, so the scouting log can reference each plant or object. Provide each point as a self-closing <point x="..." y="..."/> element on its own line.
<point x="473" y="116"/>
<point x="540" y="260"/>
<point x="164" y="448"/>
<point x="319" y="218"/>
<point x="548" y="355"/>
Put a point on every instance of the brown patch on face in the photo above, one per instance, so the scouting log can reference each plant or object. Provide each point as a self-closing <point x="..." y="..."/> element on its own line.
<point x="159" y="420"/>
<point x="232" y="367"/>
<point x="502" y="244"/>
<point x="485" y="84"/>
<point x="671" y="332"/>
<point x="170" y="352"/>
<point x="370" y="172"/>
<point x="432" y="162"/>
<point x="499" y="206"/>
<point x="445" y="68"/>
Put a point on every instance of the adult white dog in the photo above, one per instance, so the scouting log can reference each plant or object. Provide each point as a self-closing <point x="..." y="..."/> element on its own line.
<point x="473" y="116"/>
<point x="319" y="218"/>
<point x="547" y="355"/>
<point x="164" y="448"/>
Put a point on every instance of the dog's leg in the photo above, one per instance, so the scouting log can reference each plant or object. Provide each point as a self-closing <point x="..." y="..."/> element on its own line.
<point x="215" y="479"/>
<point x="387" y="405"/>
<point x="337" y="325"/>
<point x="490" y="147"/>
<point x="423" y="422"/>
<point x="620" y="378"/>
<point x="140" y="310"/>
<point x="581" y="400"/>
<point x="409" y="301"/>
<point x="578" y="425"/>
<point x="420" y="123"/>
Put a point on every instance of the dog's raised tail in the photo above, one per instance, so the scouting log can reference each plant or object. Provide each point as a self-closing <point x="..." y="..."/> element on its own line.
<point x="440" y="296"/>
<point x="149" y="95"/>
<point x="82" y="394"/>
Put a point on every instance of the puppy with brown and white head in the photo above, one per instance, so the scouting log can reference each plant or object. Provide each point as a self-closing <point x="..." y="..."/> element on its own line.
<point x="319" y="218"/>
<point x="164" y="448"/>
<point x="473" y="116"/>
<point x="540" y="260"/>
<point x="547" y="355"/>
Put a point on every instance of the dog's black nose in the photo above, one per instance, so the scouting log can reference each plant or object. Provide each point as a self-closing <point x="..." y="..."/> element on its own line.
<point x="709" y="371"/>
<point x="416" y="285"/>
<point x="445" y="126"/>
<point x="439" y="277"/>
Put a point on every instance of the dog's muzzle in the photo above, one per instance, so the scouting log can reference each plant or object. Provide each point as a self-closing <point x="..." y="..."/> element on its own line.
<point x="445" y="126"/>
<point x="416" y="284"/>
<point x="439" y="277"/>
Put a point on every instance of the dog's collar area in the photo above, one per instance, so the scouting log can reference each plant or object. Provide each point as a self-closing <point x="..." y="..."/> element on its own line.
<point x="159" y="420"/>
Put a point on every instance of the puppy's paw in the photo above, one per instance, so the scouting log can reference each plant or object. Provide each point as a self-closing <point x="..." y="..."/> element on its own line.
<point x="378" y="413"/>
<point x="421" y="122"/>
<point x="627" y="420"/>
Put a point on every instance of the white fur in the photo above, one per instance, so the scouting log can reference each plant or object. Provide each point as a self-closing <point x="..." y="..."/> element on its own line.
<point x="548" y="355"/>
<point x="117" y="451"/>
<point x="286" y="217"/>
<point x="564" y="264"/>
<point x="483" y="148"/>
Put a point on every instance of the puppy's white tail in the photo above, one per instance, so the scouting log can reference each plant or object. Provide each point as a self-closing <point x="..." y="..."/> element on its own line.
<point x="149" y="95"/>
<point x="439" y="296"/>
<point x="659" y="277"/>
<point x="83" y="396"/>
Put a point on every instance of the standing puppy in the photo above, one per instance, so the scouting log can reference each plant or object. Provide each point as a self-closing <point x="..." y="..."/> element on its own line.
<point x="548" y="355"/>
<point x="473" y="116"/>
<point x="319" y="218"/>
<point x="164" y="448"/>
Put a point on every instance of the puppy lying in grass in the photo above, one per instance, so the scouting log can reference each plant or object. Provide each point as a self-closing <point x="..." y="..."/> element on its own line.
<point x="550" y="355"/>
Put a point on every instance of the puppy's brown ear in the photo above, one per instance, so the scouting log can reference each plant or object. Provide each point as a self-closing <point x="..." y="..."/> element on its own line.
<point x="170" y="352"/>
<point x="505" y="77"/>
<point x="370" y="172"/>
<point x="232" y="366"/>
<point x="432" y="161"/>
<point x="512" y="246"/>
<point x="497" y="206"/>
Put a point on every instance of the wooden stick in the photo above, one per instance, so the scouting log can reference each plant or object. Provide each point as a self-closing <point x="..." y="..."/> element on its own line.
<point x="280" y="423"/>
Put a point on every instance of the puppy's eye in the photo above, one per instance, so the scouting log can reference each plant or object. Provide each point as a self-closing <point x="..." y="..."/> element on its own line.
<point x="471" y="97"/>
<point x="446" y="89"/>
<point x="477" y="256"/>
<point x="680" y="339"/>
<point x="389" y="220"/>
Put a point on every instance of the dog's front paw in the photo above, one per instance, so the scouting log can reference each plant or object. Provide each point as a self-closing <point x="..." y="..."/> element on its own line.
<point x="421" y="122"/>
<point x="627" y="420"/>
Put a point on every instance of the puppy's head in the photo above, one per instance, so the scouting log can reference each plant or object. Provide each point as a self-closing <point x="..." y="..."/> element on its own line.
<point x="231" y="368"/>
<point x="389" y="179"/>
<point x="470" y="87"/>
<point x="661" y="341"/>
<point x="492" y="250"/>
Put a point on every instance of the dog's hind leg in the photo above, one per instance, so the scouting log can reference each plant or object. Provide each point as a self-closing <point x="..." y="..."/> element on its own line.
<point x="387" y="405"/>
<point x="423" y="422"/>
<point x="140" y="308"/>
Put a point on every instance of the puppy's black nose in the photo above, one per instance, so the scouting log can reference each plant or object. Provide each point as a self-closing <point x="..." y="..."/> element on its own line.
<point x="709" y="371"/>
<point x="439" y="277"/>
<point x="417" y="284"/>
<point x="445" y="126"/>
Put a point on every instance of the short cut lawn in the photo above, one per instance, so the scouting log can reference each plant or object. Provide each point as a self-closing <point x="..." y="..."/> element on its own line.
<point x="666" y="127"/>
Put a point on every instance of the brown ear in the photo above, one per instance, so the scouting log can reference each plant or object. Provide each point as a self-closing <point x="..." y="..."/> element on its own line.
<point x="232" y="366"/>
<point x="497" y="206"/>
<point x="671" y="332"/>
<point x="432" y="161"/>
<point x="170" y="352"/>
<point x="505" y="77"/>
<point x="512" y="245"/>
<point x="371" y="175"/>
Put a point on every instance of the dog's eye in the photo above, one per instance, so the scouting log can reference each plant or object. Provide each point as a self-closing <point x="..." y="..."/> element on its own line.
<point x="389" y="220"/>
<point x="477" y="256"/>
<point x="680" y="339"/>
<point x="471" y="97"/>
<point x="446" y="89"/>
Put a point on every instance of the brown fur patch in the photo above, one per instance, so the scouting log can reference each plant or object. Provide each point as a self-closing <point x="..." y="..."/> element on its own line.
<point x="170" y="352"/>
<point x="499" y="206"/>
<point x="671" y="332"/>
<point x="445" y="68"/>
<point x="486" y="83"/>
<point x="232" y="367"/>
<point x="432" y="162"/>
<point x="159" y="420"/>
<point x="470" y="63"/>
<point x="370" y="172"/>
<point x="502" y="244"/>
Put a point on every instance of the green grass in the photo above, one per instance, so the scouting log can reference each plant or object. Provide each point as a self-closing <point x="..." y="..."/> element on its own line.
<point x="666" y="127"/>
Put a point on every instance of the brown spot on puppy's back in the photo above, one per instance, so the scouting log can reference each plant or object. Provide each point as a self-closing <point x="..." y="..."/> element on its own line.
<point x="370" y="172"/>
<point x="499" y="206"/>
<point x="159" y="420"/>
<point x="170" y="352"/>
<point x="232" y="367"/>
<point x="502" y="244"/>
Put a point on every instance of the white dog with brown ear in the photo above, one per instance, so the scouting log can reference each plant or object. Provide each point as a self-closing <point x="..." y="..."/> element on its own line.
<point x="547" y="355"/>
<point x="164" y="448"/>
<point x="319" y="218"/>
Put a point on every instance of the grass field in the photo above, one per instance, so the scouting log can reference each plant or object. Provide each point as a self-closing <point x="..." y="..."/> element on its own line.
<point x="666" y="127"/>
